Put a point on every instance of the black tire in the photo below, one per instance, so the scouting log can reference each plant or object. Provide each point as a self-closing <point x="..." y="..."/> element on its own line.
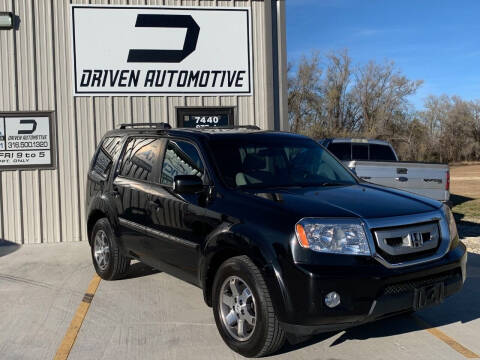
<point x="118" y="264"/>
<point x="268" y="336"/>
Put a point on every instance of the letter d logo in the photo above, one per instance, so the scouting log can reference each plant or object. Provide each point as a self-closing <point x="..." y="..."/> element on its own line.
<point x="166" y="21"/>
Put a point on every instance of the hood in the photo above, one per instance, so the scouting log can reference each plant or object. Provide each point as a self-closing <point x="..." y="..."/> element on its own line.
<point x="363" y="201"/>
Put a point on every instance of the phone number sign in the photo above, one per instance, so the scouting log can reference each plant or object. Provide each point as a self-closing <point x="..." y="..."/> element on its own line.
<point x="25" y="141"/>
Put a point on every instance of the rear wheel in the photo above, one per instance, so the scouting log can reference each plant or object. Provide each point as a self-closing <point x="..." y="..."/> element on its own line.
<point x="108" y="261"/>
<point x="243" y="309"/>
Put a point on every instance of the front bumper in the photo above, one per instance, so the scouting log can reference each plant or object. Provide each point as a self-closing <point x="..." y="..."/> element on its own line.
<point x="368" y="290"/>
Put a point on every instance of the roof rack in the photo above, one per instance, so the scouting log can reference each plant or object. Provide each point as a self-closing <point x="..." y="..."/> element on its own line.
<point x="248" y="127"/>
<point x="251" y="127"/>
<point x="163" y="126"/>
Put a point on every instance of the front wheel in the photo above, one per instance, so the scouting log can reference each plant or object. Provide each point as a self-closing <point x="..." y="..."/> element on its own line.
<point x="107" y="259"/>
<point x="243" y="309"/>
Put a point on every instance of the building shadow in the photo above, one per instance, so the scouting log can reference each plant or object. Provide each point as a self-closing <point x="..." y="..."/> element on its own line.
<point x="7" y="247"/>
<point x="459" y="199"/>
<point x="465" y="228"/>
<point x="461" y="307"/>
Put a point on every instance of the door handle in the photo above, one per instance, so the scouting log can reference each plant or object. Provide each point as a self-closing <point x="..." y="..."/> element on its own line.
<point x="156" y="203"/>
<point x="402" y="179"/>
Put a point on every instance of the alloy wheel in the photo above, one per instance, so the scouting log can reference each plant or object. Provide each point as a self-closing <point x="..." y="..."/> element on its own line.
<point x="101" y="250"/>
<point x="237" y="308"/>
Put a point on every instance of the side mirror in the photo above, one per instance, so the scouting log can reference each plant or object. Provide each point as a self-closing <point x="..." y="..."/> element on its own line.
<point x="187" y="184"/>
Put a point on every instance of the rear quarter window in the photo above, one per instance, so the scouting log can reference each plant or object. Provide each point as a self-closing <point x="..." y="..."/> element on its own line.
<point x="110" y="148"/>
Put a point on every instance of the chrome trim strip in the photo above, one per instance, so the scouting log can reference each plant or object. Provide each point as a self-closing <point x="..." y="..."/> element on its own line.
<point x="162" y="235"/>
<point x="374" y="304"/>
<point x="156" y="233"/>
<point x="406" y="220"/>
<point x="407" y="234"/>
<point x="130" y="224"/>
<point x="433" y="216"/>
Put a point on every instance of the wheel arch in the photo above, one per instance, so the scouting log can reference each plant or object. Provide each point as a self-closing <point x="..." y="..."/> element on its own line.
<point x="98" y="209"/>
<point x="226" y="245"/>
<point x="93" y="217"/>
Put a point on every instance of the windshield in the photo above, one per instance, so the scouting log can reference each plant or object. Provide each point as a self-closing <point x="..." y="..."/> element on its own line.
<point x="266" y="162"/>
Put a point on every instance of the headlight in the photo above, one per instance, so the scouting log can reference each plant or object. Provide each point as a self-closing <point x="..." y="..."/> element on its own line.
<point x="333" y="236"/>
<point x="452" y="225"/>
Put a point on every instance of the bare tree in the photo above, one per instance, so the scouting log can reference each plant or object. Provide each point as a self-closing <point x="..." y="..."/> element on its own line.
<point x="330" y="97"/>
<point x="382" y="92"/>
<point x="338" y="104"/>
<point x="304" y="93"/>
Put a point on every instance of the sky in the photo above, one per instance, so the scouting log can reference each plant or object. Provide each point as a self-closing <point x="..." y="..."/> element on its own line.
<point x="437" y="41"/>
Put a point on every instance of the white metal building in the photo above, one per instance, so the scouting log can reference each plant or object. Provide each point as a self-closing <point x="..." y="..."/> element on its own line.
<point x="53" y="111"/>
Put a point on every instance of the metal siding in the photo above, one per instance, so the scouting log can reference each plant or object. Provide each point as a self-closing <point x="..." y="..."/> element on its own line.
<point x="36" y="75"/>
<point x="26" y="70"/>
<point x="67" y="126"/>
<point x="260" y="68"/>
<point x="45" y="97"/>
<point x="7" y="103"/>
<point x="282" y="64"/>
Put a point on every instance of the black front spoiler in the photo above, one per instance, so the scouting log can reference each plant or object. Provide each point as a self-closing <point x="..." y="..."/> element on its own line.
<point x="383" y="307"/>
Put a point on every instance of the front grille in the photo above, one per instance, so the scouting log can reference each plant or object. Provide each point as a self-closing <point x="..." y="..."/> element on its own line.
<point x="397" y="259"/>
<point x="408" y="286"/>
<point x="398" y="241"/>
<point x="412" y="242"/>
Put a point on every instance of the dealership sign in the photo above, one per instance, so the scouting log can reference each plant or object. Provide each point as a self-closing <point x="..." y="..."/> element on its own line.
<point x="150" y="50"/>
<point x="26" y="141"/>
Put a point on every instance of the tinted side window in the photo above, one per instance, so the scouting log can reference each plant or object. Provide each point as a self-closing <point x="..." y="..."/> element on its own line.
<point x="342" y="150"/>
<point x="110" y="147"/>
<point x="181" y="158"/>
<point x="359" y="151"/>
<point x="381" y="153"/>
<point x="139" y="158"/>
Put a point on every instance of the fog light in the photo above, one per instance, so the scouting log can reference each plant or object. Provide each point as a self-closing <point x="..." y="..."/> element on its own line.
<point x="332" y="299"/>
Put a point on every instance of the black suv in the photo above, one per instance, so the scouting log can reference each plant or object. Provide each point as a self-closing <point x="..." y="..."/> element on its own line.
<point x="283" y="239"/>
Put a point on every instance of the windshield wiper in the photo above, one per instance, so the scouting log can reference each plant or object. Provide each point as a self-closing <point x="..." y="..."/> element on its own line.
<point x="290" y="186"/>
<point x="268" y="187"/>
<point x="333" y="184"/>
<point x="324" y="184"/>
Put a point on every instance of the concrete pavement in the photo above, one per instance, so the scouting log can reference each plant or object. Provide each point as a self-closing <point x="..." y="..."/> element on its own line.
<point x="152" y="315"/>
<point x="40" y="289"/>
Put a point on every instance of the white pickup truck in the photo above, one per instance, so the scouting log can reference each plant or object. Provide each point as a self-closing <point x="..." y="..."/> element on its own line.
<point x="375" y="161"/>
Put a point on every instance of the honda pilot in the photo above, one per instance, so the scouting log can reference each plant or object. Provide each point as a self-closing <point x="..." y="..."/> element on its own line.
<point x="283" y="239"/>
